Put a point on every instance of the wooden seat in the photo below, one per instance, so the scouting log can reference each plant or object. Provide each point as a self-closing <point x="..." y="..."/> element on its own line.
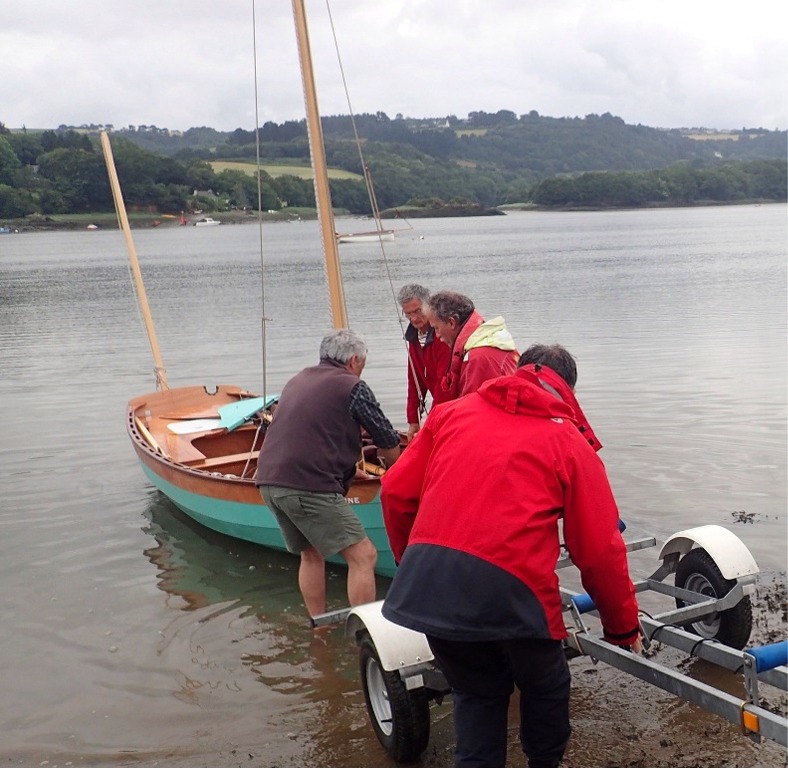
<point x="218" y="461"/>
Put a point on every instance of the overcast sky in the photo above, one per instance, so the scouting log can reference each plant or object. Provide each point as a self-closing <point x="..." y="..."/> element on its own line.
<point x="176" y="64"/>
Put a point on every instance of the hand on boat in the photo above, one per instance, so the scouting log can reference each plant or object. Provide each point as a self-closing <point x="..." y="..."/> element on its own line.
<point x="362" y="475"/>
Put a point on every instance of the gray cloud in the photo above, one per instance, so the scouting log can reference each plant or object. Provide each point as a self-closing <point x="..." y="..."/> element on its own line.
<point x="179" y="65"/>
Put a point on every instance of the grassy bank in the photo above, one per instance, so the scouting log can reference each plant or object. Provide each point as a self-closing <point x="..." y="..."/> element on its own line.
<point x="301" y="170"/>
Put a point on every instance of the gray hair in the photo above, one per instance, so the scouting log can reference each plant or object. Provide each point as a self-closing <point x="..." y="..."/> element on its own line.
<point x="413" y="291"/>
<point x="446" y="304"/>
<point x="342" y="344"/>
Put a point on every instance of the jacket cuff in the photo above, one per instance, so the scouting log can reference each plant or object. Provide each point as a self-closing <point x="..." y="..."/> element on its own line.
<point x="624" y="638"/>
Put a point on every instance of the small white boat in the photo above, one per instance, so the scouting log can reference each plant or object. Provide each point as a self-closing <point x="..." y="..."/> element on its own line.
<point x="207" y="222"/>
<point x="385" y="235"/>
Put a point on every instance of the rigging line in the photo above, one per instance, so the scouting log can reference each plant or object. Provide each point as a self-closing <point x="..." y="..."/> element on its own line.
<point x="263" y="319"/>
<point x="367" y="179"/>
<point x="376" y="213"/>
<point x="364" y="169"/>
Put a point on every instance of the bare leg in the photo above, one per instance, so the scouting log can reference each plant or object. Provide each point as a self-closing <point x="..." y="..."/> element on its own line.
<point x="312" y="581"/>
<point x="361" y="559"/>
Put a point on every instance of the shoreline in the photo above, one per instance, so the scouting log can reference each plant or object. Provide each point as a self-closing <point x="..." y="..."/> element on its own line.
<point x="143" y="220"/>
<point x="65" y="222"/>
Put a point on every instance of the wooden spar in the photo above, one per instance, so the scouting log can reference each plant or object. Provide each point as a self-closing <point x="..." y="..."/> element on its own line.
<point x="325" y="213"/>
<point x="120" y="207"/>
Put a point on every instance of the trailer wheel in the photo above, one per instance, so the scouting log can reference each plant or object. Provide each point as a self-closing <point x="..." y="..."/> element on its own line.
<point x="400" y="718"/>
<point x="698" y="572"/>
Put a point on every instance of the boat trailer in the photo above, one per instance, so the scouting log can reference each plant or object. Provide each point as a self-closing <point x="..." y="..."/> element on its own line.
<point x="710" y="619"/>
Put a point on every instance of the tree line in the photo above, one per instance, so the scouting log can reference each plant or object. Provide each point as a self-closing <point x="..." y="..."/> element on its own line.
<point x="682" y="184"/>
<point x="489" y="159"/>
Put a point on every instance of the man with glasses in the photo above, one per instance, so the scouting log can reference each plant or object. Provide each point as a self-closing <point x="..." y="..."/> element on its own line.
<point x="428" y="356"/>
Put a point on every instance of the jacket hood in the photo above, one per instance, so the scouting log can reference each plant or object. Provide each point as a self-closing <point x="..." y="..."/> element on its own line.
<point x="523" y="394"/>
<point x="491" y="333"/>
<point x="539" y="391"/>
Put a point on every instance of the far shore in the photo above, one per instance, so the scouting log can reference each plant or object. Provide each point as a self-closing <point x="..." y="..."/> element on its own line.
<point x="144" y="220"/>
<point x="148" y="220"/>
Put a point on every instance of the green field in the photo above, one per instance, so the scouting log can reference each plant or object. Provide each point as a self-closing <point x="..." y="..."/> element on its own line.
<point x="279" y="169"/>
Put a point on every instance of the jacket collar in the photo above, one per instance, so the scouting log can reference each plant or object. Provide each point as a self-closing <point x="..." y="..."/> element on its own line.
<point x="411" y="334"/>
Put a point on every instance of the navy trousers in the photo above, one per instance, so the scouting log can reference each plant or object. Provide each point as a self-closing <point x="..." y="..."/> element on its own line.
<point x="483" y="676"/>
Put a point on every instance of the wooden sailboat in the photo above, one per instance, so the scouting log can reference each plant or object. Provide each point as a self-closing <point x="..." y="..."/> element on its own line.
<point x="199" y="446"/>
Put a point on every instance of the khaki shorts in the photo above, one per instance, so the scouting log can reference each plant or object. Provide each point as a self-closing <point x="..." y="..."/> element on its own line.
<point x="324" y="521"/>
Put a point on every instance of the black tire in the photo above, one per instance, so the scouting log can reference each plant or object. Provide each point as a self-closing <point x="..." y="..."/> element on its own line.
<point x="698" y="572"/>
<point x="400" y="718"/>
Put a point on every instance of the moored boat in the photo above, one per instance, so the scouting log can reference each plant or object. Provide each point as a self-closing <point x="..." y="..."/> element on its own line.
<point x="386" y="235"/>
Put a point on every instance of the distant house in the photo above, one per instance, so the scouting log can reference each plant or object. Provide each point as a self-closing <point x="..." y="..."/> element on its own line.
<point x="204" y="193"/>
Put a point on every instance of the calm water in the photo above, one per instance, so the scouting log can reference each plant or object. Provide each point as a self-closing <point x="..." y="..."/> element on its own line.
<point x="128" y="631"/>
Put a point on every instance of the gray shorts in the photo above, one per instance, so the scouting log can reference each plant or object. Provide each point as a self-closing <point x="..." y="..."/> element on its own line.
<point x="324" y="521"/>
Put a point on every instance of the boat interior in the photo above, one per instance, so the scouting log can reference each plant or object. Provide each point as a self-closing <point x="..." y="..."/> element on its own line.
<point x="219" y="432"/>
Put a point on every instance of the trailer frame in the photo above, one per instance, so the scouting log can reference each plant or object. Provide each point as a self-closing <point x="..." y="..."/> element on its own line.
<point x="400" y="677"/>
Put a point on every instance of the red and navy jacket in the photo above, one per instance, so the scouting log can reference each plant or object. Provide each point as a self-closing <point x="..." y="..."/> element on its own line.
<point x="472" y="511"/>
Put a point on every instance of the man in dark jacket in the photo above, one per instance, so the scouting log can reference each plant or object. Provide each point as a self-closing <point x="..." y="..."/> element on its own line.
<point x="428" y="356"/>
<point x="472" y="511"/>
<point x="308" y="460"/>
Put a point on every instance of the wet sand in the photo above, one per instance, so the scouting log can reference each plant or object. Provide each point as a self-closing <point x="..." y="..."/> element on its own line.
<point x="617" y="721"/>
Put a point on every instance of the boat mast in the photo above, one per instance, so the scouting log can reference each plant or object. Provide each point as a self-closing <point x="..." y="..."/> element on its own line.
<point x="325" y="213"/>
<point x="120" y="208"/>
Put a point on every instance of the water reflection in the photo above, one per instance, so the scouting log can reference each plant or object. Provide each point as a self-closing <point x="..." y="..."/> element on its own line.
<point x="204" y="568"/>
<point x="240" y="612"/>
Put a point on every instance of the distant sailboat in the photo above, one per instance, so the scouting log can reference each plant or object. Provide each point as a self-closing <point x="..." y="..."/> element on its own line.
<point x="379" y="233"/>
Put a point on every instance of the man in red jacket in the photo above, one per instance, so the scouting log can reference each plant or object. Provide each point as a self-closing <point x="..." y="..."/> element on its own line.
<point x="480" y="349"/>
<point x="428" y="356"/>
<point x="472" y="511"/>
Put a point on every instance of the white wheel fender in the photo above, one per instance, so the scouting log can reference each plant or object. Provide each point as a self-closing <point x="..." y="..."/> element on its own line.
<point x="726" y="549"/>
<point x="398" y="648"/>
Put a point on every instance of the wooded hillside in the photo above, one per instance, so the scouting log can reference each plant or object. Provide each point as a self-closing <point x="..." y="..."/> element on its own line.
<point x="488" y="159"/>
